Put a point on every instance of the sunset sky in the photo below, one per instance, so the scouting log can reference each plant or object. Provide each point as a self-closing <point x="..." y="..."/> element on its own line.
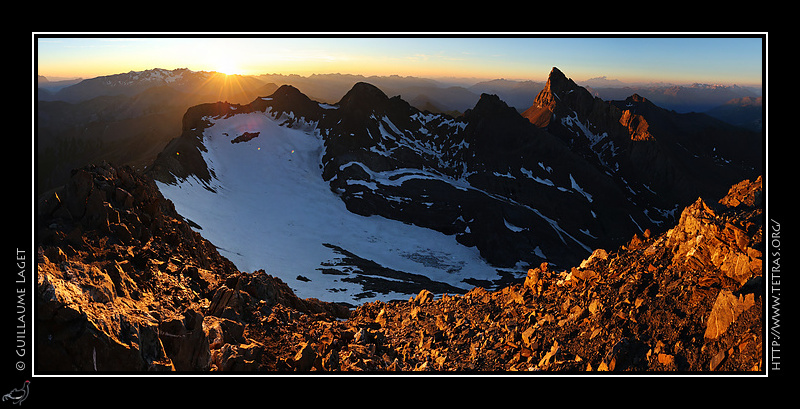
<point x="723" y="59"/>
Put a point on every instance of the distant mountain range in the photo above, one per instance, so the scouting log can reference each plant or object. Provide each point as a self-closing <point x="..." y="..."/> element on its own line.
<point x="418" y="91"/>
<point x="682" y="99"/>
<point x="747" y="112"/>
<point x="127" y="118"/>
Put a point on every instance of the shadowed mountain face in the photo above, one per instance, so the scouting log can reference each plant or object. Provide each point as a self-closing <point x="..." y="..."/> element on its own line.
<point x="571" y="174"/>
<point x="124" y="118"/>
<point x="660" y="157"/>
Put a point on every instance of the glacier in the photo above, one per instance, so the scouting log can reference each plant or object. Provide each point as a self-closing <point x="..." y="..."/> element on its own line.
<point x="269" y="208"/>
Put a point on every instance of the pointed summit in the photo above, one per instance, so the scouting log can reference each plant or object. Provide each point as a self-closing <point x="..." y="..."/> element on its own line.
<point x="557" y="76"/>
<point x="544" y="105"/>
<point x="559" y="91"/>
<point x="557" y="86"/>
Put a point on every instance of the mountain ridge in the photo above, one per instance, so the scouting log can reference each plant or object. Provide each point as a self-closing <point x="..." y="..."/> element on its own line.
<point x="633" y="134"/>
<point x="329" y="88"/>
<point x="488" y="177"/>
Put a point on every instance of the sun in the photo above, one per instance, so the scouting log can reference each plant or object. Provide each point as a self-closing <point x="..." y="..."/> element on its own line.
<point x="228" y="68"/>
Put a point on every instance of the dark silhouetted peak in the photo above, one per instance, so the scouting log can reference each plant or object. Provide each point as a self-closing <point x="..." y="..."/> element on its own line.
<point x="638" y="104"/>
<point x="494" y="126"/>
<point x="355" y="122"/>
<point x="363" y="97"/>
<point x="289" y="99"/>
<point x="287" y="91"/>
<point x="490" y="104"/>
<point x="557" y="76"/>
<point x="361" y="110"/>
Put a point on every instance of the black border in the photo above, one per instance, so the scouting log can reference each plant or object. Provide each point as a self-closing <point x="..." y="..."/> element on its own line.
<point x="117" y="388"/>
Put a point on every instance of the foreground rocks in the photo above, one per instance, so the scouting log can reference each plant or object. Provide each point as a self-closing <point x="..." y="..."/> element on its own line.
<point x="125" y="285"/>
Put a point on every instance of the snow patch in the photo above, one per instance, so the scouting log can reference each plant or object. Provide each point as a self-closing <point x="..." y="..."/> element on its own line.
<point x="579" y="189"/>
<point x="513" y="228"/>
<point x="530" y="175"/>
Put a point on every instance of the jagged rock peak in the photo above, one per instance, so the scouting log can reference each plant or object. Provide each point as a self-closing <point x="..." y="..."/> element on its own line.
<point x="562" y="98"/>
<point x="555" y="90"/>
<point x="637" y="126"/>
<point x="745" y="193"/>
<point x="556" y="84"/>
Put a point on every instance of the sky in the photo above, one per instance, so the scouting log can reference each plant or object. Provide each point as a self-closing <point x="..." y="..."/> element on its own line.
<point x="736" y="58"/>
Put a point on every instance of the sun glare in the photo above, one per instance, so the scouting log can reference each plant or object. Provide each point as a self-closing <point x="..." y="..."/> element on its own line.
<point x="227" y="68"/>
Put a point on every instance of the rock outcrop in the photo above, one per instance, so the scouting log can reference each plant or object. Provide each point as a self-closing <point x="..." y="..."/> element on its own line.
<point x="125" y="284"/>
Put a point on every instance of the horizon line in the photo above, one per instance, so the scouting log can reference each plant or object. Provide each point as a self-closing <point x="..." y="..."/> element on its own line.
<point x="453" y="77"/>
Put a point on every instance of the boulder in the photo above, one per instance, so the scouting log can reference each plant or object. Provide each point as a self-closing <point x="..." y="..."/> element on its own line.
<point x="727" y="308"/>
<point x="186" y="341"/>
<point x="423" y="297"/>
<point x="746" y="193"/>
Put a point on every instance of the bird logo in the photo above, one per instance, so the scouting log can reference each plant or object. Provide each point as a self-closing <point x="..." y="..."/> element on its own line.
<point x="18" y="394"/>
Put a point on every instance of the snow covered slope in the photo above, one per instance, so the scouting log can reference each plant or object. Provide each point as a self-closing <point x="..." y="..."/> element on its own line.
<point x="272" y="210"/>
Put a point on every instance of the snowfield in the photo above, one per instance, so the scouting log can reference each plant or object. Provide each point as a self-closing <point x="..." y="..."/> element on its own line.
<point x="273" y="211"/>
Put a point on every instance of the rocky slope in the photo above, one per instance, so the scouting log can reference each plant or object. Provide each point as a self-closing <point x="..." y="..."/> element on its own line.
<point x="125" y="285"/>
